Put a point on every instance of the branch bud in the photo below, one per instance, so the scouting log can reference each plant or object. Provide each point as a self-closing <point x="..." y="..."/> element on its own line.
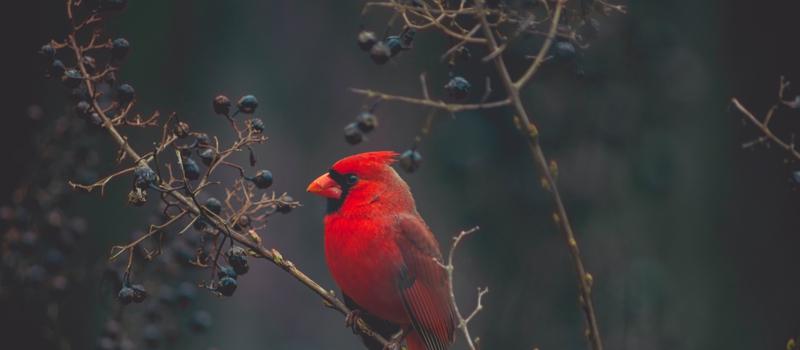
<point x="533" y="131"/>
<point x="553" y="169"/>
<point x="545" y="184"/>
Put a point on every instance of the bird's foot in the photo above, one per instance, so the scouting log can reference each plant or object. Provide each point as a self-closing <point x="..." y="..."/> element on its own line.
<point x="396" y="340"/>
<point x="351" y="319"/>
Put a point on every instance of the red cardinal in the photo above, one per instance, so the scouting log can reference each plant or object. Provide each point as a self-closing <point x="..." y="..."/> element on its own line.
<point x="381" y="252"/>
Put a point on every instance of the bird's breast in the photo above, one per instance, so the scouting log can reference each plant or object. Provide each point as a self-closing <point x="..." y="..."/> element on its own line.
<point x="364" y="260"/>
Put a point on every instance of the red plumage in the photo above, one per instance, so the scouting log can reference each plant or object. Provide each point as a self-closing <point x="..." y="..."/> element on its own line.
<point x="380" y="251"/>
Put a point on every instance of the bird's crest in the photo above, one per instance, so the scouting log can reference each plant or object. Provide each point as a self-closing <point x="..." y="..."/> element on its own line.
<point x="365" y="160"/>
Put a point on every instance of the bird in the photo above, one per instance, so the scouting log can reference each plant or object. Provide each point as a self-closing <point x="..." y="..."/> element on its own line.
<point x="383" y="255"/>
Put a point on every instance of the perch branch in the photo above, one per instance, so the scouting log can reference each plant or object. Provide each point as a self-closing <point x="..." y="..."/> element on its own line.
<point x="191" y="206"/>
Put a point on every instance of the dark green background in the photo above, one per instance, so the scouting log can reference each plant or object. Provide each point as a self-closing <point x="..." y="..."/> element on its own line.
<point x="692" y="240"/>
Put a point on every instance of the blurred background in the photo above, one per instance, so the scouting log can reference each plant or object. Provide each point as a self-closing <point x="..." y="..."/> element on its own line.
<point x="691" y="239"/>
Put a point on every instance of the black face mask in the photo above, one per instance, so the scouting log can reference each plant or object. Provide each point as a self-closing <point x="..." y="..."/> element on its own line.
<point x="346" y="182"/>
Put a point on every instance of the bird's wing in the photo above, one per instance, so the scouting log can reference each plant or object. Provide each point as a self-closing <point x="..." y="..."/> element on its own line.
<point x="422" y="283"/>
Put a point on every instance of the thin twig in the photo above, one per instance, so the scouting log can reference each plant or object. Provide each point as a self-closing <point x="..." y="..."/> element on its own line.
<point x="450" y="107"/>
<point x="762" y="126"/>
<point x="462" y="322"/>
<point x="532" y="135"/>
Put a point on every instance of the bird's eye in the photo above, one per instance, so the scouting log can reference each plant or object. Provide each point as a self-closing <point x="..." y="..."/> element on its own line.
<point x="352" y="179"/>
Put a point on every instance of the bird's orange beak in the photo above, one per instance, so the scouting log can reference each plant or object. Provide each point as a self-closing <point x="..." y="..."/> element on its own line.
<point x="325" y="186"/>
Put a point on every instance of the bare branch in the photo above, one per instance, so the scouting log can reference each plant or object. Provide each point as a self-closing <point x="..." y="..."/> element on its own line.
<point x="450" y="107"/>
<point x="462" y="322"/>
<point x="768" y="134"/>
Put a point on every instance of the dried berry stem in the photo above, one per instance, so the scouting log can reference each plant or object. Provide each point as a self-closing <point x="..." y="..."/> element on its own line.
<point x="433" y="18"/>
<point x="188" y="201"/>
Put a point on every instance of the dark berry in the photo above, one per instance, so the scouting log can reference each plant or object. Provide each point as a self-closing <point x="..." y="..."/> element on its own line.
<point x="119" y="49"/>
<point x="181" y="129"/>
<point x="395" y="44"/>
<point x="139" y="293"/>
<point x="106" y="343"/>
<point x="166" y="295"/>
<point x="28" y="241"/>
<point x="237" y="258"/>
<point x="125" y="94"/>
<point x="201" y="321"/>
<point x="144" y="177"/>
<point x="366" y="39"/>
<point x="366" y="121"/>
<point x="352" y="134"/>
<point x="79" y="93"/>
<point x="242" y="221"/>
<point x="95" y="119"/>
<point x="564" y="51"/>
<point x="35" y="275"/>
<point x="410" y="160"/>
<point x="153" y="313"/>
<point x="457" y="88"/>
<point x="226" y="271"/>
<point x="48" y="52"/>
<point x="222" y="105"/>
<point x="284" y="208"/>
<point x="380" y="53"/>
<point x="203" y="139"/>
<point x="227" y="286"/>
<point x="182" y="252"/>
<point x="125" y="295"/>
<point x="112" y="5"/>
<point x="214" y="205"/>
<point x="151" y="336"/>
<point x="247" y="104"/>
<point x="83" y="108"/>
<point x="257" y="125"/>
<point x="240" y="265"/>
<point x="206" y="155"/>
<point x="53" y="259"/>
<point x="112" y="329"/>
<point x="72" y="78"/>
<point x="59" y="285"/>
<point x="191" y="169"/>
<point x="57" y="68"/>
<point x="186" y="293"/>
<point x="263" y="179"/>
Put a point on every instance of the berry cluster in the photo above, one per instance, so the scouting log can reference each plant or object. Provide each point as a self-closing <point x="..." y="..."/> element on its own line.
<point x="181" y="170"/>
<point x="550" y="30"/>
<point x="366" y="121"/>
<point x="410" y="160"/>
<point x="162" y="316"/>
<point x="381" y="51"/>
